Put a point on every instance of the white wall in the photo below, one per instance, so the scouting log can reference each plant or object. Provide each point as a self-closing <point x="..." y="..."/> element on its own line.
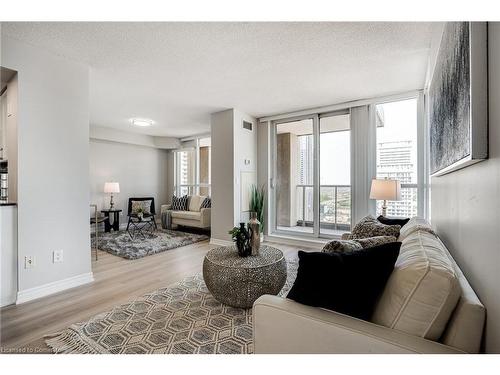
<point x="221" y="124"/>
<point x="10" y="146"/>
<point x="53" y="178"/>
<point x="244" y="148"/>
<point x="466" y="210"/>
<point x="8" y="252"/>
<point x="231" y="145"/>
<point x="141" y="171"/>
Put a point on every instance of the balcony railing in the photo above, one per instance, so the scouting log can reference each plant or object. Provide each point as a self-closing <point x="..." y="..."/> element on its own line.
<point x="335" y="206"/>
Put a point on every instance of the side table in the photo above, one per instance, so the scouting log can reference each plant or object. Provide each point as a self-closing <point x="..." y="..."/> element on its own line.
<point x="237" y="281"/>
<point x="116" y="220"/>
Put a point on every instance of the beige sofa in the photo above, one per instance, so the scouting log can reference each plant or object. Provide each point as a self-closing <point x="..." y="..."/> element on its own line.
<point x="427" y="306"/>
<point x="195" y="217"/>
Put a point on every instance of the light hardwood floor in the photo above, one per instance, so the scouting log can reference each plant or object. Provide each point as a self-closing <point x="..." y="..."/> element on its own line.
<point x="117" y="281"/>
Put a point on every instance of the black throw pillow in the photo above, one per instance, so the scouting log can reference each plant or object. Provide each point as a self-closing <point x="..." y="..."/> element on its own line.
<point x="349" y="283"/>
<point x="389" y="221"/>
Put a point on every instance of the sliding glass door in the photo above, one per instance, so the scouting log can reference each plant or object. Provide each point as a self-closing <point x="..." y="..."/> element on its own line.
<point x="294" y="176"/>
<point x="312" y="193"/>
<point x="335" y="174"/>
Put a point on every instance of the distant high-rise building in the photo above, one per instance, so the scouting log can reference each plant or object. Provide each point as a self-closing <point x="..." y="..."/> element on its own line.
<point x="396" y="161"/>
<point x="306" y="166"/>
<point x="306" y="174"/>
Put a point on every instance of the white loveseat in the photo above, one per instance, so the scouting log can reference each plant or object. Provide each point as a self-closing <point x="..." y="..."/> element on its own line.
<point x="427" y="306"/>
<point x="194" y="217"/>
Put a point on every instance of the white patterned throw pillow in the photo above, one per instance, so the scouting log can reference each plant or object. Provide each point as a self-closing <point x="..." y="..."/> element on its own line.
<point x="371" y="227"/>
<point x="141" y="206"/>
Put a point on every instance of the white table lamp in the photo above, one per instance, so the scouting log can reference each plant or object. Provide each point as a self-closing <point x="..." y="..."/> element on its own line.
<point x="111" y="187"/>
<point x="386" y="190"/>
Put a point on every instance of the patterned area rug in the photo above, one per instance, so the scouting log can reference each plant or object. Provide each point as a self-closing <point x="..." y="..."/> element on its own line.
<point x="120" y="243"/>
<point x="181" y="319"/>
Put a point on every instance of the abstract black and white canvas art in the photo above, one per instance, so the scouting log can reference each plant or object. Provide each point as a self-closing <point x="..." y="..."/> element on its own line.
<point x="455" y="91"/>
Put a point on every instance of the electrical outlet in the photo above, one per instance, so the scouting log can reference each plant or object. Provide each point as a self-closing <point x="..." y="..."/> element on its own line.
<point x="29" y="261"/>
<point x="57" y="256"/>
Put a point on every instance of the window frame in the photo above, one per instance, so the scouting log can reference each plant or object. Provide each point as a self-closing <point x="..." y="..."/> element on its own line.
<point x="316" y="233"/>
<point x="194" y="188"/>
<point x="422" y="185"/>
<point x="422" y="149"/>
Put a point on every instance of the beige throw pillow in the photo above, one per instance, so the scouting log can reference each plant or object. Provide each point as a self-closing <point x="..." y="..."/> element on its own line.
<point x="371" y="227"/>
<point x="341" y="246"/>
<point x="345" y="246"/>
<point x="195" y="202"/>
<point x="144" y="206"/>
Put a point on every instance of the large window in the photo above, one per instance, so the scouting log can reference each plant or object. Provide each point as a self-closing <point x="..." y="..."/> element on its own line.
<point x="397" y="153"/>
<point x="323" y="164"/>
<point x="335" y="174"/>
<point x="312" y="175"/>
<point x="192" y="169"/>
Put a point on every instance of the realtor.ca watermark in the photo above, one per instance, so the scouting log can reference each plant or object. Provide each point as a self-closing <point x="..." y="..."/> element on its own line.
<point x="31" y="350"/>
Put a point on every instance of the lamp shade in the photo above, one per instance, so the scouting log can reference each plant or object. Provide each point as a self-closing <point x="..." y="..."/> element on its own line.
<point x="111" y="187"/>
<point x="385" y="190"/>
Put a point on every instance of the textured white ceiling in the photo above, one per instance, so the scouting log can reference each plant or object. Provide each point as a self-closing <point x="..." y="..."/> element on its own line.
<point x="179" y="73"/>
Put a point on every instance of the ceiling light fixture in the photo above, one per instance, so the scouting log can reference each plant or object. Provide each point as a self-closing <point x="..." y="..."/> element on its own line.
<point x="141" y="122"/>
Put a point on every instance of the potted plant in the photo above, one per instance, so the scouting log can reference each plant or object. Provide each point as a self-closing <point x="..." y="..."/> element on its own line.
<point x="241" y="237"/>
<point x="257" y="200"/>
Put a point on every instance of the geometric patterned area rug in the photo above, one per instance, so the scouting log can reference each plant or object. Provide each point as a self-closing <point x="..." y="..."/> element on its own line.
<point x="119" y="243"/>
<point x="181" y="319"/>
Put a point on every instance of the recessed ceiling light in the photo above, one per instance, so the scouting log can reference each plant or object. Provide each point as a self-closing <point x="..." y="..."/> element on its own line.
<point x="141" y="122"/>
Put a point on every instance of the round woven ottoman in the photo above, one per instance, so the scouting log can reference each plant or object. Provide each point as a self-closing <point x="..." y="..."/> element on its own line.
<point x="238" y="281"/>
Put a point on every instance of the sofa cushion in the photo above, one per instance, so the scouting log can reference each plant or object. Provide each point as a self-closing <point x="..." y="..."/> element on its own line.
<point x="344" y="246"/>
<point x="341" y="246"/>
<point x="375" y="241"/>
<point x="207" y="203"/>
<point x="422" y="291"/>
<point x="195" y="202"/>
<point x="465" y="328"/>
<point x="414" y="225"/>
<point x="371" y="227"/>
<point x="348" y="283"/>
<point x="179" y="203"/>
<point x="186" y="215"/>
<point x="141" y="206"/>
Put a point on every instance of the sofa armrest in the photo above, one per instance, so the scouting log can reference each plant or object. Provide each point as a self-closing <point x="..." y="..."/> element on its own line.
<point x="281" y="325"/>
<point x="165" y="207"/>
<point x="205" y="217"/>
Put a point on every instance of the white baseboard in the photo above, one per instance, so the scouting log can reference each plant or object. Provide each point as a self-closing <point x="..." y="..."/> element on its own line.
<point x="8" y="300"/>
<point x="217" y="242"/>
<point x="54" y="287"/>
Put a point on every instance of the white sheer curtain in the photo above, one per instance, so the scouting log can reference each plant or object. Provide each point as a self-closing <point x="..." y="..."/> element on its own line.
<point x="363" y="161"/>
